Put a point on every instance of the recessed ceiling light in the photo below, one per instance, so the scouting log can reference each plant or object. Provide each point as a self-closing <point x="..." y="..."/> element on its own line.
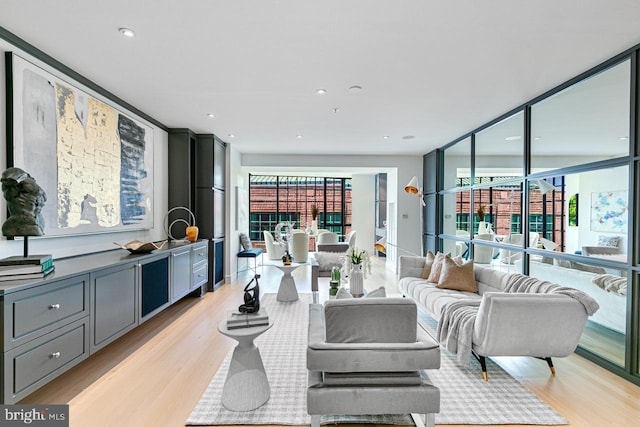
<point x="299" y="136"/>
<point x="231" y="135"/>
<point x="355" y="89"/>
<point x="321" y="91"/>
<point x="335" y="109"/>
<point x="210" y="115"/>
<point x="386" y="137"/>
<point x="408" y="137"/>
<point x="127" y="32"/>
<point x="513" y="138"/>
<point x="623" y="138"/>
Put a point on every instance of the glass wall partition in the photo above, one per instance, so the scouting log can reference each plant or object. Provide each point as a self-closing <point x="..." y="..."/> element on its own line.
<point x="499" y="150"/>
<point x="548" y="190"/>
<point x="598" y="243"/>
<point x="585" y="123"/>
<point x="457" y="165"/>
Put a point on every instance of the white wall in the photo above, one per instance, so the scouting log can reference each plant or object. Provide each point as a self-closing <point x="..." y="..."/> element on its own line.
<point x="363" y="202"/>
<point x="61" y="247"/>
<point x="615" y="179"/>
<point x="236" y="177"/>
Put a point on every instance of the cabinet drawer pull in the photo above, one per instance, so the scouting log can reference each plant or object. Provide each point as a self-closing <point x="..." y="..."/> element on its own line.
<point x="200" y="275"/>
<point x="54" y="307"/>
<point x="55" y="355"/>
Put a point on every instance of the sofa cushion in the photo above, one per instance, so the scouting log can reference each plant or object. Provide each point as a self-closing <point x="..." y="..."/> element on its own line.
<point x="457" y="277"/>
<point x="429" y="297"/>
<point x="589" y="268"/>
<point x="428" y="263"/>
<point x="436" y="268"/>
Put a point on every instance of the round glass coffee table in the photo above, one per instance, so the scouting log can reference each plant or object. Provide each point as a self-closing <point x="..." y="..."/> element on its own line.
<point x="246" y="386"/>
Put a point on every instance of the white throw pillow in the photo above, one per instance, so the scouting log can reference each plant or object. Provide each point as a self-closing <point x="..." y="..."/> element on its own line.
<point x="343" y="294"/>
<point x="327" y="260"/>
<point x="378" y="293"/>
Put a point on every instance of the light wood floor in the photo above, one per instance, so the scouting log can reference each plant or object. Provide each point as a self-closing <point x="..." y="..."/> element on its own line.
<point x="155" y="375"/>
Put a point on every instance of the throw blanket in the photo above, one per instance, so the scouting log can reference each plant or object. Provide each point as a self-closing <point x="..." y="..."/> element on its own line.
<point x="455" y="328"/>
<point x="526" y="284"/>
<point x="611" y="283"/>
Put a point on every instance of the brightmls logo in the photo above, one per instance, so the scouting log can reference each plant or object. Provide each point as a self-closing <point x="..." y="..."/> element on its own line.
<point x="35" y="415"/>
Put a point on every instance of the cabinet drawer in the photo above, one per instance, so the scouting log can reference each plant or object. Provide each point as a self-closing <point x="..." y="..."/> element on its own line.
<point x="34" y="364"/>
<point x="200" y="275"/>
<point x="34" y="312"/>
<point x="199" y="255"/>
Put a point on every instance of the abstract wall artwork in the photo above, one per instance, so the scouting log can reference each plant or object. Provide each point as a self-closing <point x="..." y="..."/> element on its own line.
<point x="610" y="211"/>
<point x="94" y="161"/>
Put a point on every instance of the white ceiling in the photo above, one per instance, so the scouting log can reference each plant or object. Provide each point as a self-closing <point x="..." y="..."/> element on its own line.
<point x="428" y="68"/>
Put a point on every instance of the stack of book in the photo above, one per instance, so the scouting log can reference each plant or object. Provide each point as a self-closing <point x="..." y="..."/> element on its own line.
<point x="235" y="319"/>
<point x="30" y="267"/>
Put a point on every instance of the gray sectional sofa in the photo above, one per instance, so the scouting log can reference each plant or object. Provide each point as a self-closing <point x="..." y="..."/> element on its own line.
<point x="541" y="325"/>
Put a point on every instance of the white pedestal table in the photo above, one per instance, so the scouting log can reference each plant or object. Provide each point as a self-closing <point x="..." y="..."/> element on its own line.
<point x="246" y="387"/>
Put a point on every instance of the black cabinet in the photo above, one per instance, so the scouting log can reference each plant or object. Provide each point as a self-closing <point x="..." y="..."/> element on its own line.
<point x="197" y="182"/>
<point x="182" y="185"/>
<point x="155" y="286"/>
<point x="217" y="272"/>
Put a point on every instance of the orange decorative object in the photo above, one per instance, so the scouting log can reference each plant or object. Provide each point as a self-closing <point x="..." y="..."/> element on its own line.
<point x="192" y="233"/>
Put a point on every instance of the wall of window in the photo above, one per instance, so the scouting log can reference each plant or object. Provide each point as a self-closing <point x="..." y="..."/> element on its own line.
<point x="548" y="190"/>
<point x="274" y="199"/>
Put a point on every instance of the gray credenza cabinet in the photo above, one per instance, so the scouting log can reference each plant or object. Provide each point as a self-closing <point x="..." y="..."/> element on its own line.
<point x="50" y="325"/>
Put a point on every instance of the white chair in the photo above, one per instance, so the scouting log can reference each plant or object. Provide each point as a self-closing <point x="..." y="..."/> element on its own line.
<point x="483" y="254"/>
<point x="275" y="250"/>
<point x="351" y="238"/>
<point x="299" y="246"/>
<point x="326" y="237"/>
<point x="507" y="256"/>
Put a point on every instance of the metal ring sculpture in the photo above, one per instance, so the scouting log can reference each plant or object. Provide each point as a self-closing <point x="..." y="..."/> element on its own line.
<point x="167" y="227"/>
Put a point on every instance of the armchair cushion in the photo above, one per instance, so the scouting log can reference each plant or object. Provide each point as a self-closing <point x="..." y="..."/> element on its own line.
<point x="422" y="352"/>
<point x="373" y="378"/>
<point x="371" y="320"/>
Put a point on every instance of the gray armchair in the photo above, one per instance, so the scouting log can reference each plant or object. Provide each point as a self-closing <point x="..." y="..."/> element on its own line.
<point x="368" y="356"/>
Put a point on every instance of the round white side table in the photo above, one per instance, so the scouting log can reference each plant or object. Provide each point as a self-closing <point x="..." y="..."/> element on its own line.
<point x="287" y="291"/>
<point x="246" y="386"/>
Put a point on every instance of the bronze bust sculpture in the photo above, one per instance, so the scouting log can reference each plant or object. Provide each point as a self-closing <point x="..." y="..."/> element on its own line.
<point x="25" y="199"/>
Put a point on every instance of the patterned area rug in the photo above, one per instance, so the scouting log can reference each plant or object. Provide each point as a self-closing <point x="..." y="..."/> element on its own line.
<point x="465" y="397"/>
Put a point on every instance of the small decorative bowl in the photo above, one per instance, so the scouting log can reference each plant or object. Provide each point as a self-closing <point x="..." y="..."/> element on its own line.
<point x="138" y="247"/>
